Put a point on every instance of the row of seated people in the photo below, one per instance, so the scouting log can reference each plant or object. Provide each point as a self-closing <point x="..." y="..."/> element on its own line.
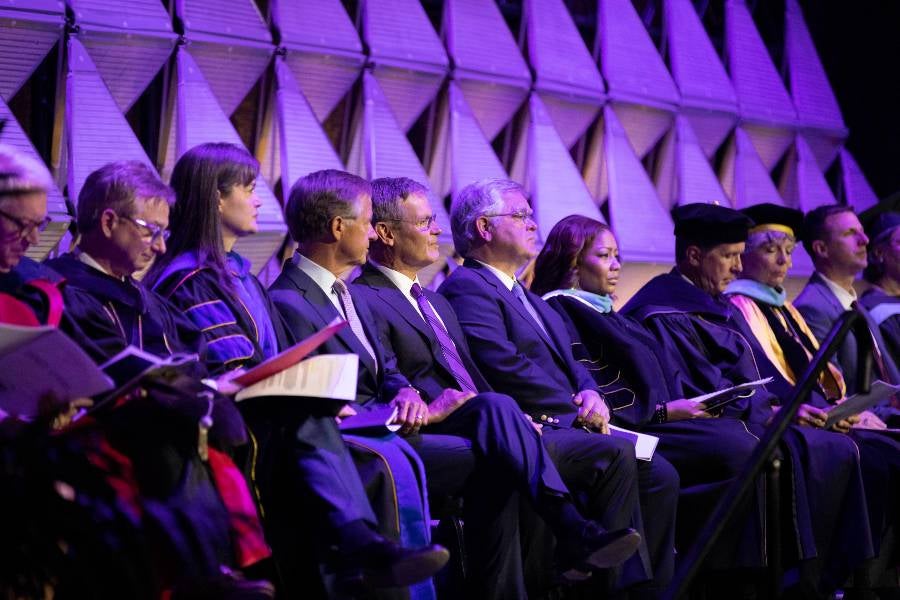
<point x="502" y="400"/>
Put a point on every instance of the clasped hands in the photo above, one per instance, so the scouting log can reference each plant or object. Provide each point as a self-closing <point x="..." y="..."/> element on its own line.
<point x="592" y="411"/>
<point x="413" y="412"/>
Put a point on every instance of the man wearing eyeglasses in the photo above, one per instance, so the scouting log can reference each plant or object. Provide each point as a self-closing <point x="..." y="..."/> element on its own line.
<point x="123" y="216"/>
<point x="523" y="349"/>
<point x="421" y="330"/>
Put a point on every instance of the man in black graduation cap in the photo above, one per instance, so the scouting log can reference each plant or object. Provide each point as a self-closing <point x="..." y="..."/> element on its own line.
<point x="687" y="313"/>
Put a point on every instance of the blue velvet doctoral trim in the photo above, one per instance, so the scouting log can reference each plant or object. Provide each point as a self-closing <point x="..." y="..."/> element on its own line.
<point x="758" y="291"/>
<point x="250" y="294"/>
<point x="600" y="302"/>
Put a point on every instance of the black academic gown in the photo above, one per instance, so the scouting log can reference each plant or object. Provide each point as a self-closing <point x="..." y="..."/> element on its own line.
<point x="15" y="283"/>
<point x="876" y="300"/>
<point x="879" y="451"/>
<point x="635" y="376"/>
<point x="305" y="476"/>
<point x="123" y="312"/>
<point x="825" y="486"/>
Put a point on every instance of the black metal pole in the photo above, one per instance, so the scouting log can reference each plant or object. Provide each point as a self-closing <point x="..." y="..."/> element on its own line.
<point x="727" y="504"/>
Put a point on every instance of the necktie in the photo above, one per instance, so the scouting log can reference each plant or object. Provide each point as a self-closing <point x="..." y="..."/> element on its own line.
<point x="448" y="348"/>
<point x="519" y="291"/>
<point x="340" y="288"/>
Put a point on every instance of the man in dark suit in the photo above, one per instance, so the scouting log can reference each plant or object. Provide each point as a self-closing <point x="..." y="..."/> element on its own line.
<point x="329" y="215"/>
<point x="522" y="347"/>
<point x="834" y="239"/>
<point x="420" y="329"/>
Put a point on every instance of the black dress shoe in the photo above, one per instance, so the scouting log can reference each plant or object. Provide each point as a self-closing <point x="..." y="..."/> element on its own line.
<point x="386" y="564"/>
<point x="595" y="548"/>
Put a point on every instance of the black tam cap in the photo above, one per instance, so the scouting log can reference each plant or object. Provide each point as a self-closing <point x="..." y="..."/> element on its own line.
<point x="883" y="225"/>
<point x="710" y="224"/>
<point x="768" y="216"/>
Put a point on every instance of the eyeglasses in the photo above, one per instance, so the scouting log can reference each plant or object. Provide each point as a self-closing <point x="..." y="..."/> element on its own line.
<point x="26" y="227"/>
<point x="423" y="224"/>
<point x="151" y="230"/>
<point x="519" y="215"/>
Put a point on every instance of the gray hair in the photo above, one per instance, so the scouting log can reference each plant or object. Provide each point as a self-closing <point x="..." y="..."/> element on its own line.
<point x="21" y="174"/>
<point x="477" y="199"/>
<point x="388" y="194"/>
<point x="769" y="236"/>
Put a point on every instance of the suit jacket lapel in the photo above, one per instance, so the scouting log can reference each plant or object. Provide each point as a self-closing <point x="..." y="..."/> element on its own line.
<point x="513" y="301"/>
<point x="394" y="298"/>
<point x="326" y="312"/>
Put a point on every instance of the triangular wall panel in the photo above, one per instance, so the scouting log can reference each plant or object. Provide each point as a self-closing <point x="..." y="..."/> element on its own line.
<point x="379" y="147"/>
<point x="127" y="62"/>
<point x="303" y="145"/>
<point x="632" y="67"/>
<point x="707" y="95"/>
<point x="199" y="119"/>
<point x="13" y="135"/>
<point x="96" y="132"/>
<point x="238" y="19"/>
<point x="566" y="75"/>
<point x="543" y="165"/>
<point x="410" y="61"/>
<point x="817" y="107"/>
<point x="645" y="125"/>
<point x="762" y="98"/>
<point x="744" y="177"/>
<point x="129" y="41"/>
<point x="813" y="98"/>
<point x="231" y="69"/>
<point x="683" y="174"/>
<point x="641" y="224"/>
<point x="131" y="15"/>
<point x="856" y="189"/>
<point x="230" y="42"/>
<point x="25" y="39"/>
<point x="461" y="153"/>
<point x="324" y="50"/>
<point x="635" y="74"/>
<point x="802" y="183"/>
<point x="488" y="65"/>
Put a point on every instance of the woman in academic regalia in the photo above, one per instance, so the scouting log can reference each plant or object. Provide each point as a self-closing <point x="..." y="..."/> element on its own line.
<point x="789" y="344"/>
<point x="577" y="272"/>
<point x="882" y="300"/>
<point x="202" y="274"/>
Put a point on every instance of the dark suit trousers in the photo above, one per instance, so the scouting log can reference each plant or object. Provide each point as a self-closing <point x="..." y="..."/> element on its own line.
<point x="490" y="513"/>
<point x="614" y="488"/>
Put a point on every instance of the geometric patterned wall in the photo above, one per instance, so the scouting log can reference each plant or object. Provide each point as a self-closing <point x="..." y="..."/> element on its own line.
<point x="622" y="127"/>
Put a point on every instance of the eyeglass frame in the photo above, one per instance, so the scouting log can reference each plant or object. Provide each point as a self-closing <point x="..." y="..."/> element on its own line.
<point x="26" y="228"/>
<point x="519" y="215"/>
<point x="155" y="230"/>
<point x="430" y="221"/>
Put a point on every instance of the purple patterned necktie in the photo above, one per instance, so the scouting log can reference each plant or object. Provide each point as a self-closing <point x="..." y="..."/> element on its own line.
<point x="343" y="293"/>
<point x="448" y="348"/>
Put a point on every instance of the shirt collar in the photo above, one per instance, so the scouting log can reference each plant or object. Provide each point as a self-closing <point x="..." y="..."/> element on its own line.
<point x="403" y="283"/>
<point x="89" y="261"/>
<point x="505" y="279"/>
<point x="323" y="277"/>
<point x="844" y="297"/>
